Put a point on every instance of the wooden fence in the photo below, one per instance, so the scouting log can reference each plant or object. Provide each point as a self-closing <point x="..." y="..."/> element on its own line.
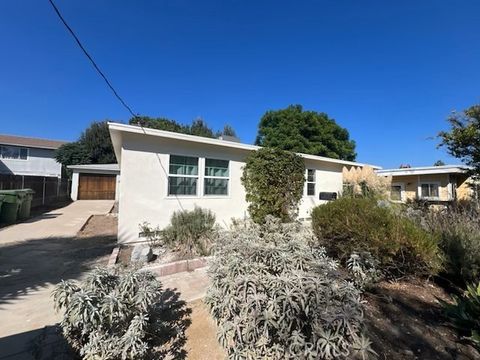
<point x="48" y="190"/>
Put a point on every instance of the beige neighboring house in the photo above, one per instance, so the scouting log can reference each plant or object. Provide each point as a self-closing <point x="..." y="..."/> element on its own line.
<point x="436" y="184"/>
<point x="162" y="172"/>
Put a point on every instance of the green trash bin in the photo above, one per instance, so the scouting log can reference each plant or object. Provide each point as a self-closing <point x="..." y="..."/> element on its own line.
<point x="26" y="195"/>
<point x="11" y="204"/>
<point x="1" y="201"/>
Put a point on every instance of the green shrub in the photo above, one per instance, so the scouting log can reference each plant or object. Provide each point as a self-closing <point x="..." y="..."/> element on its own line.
<point x="350" y="225"/>
<point x="274" y="297"/>
<point x="465" y="313"/>
<point x="459" y="231"/>
<point x="190" y="232"/>
<point x="114" y="314"/>
<point x="273" y="181"/>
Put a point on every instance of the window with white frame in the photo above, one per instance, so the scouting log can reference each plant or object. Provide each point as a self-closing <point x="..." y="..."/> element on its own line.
<point x="310" y="182"/>
<point x="13" y="152"/>
<point x="183" y="175"/>
<point x="396" y="192"/>
<point x="429" y="190"/>
<point x="216" y="177"/>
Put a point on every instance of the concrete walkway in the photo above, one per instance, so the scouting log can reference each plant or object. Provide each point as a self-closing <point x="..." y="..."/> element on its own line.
<point x="64" y="222"/>
<point x="191" y="285"/>
<point x="36" y="255"/>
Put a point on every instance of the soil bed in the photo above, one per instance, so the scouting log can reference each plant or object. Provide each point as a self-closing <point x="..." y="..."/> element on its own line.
<point x="405" y="321"/>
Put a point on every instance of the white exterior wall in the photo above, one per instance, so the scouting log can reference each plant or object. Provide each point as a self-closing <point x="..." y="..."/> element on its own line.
<point x="144" y="181"/>
<point x="40" y="162"/>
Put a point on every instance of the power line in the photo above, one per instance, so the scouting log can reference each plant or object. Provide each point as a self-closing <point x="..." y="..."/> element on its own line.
<point x="91" y="60"/>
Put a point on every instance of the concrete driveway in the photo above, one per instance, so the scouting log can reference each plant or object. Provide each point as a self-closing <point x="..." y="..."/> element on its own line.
<point x="36" y="255"/>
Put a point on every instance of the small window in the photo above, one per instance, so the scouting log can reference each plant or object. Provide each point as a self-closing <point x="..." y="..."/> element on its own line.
<point x="310" y="182"/>
<point x="216" y="177"/>
<point x="183" y="175"/>
<point x="13" y="152"/>
<point x="430" y="190"/>
<point x="396" y="193"/>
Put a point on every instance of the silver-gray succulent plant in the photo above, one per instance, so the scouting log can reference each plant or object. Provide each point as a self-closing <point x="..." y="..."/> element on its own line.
<point x="274" y="297"/>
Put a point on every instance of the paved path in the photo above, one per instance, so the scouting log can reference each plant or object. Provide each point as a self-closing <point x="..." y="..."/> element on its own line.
<point x="36" y="255"/>
<point x="64" y="222"/>
<point x="191" y="285"/>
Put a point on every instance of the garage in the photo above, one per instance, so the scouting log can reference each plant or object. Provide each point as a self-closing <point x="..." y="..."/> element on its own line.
<point x="95" y="181"/>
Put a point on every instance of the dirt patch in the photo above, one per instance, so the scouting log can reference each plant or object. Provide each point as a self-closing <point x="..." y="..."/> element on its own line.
<point x="202" y="335"/>
<point x="101" y="226"/>
<point x="405" y="321"/>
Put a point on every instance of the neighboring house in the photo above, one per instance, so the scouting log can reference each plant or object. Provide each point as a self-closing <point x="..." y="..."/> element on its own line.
<point x="30" y="163"/>
<point x="95" y="182"/>
<point x="162" y="172"/>
<point x="29" y="156"/>
<point x="436" y="184"/>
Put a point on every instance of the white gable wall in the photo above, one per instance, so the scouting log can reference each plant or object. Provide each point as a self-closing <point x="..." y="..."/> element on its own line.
<point x="143" y="188"/>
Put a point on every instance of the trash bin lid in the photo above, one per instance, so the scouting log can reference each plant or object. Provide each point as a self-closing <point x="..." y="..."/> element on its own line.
<point x="10" y="196"/>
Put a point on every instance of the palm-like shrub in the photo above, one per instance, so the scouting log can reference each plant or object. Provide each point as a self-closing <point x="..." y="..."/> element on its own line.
<point x="274" y="297"/>
<point x="113" y="314"/>
<point x="465" y="313"/>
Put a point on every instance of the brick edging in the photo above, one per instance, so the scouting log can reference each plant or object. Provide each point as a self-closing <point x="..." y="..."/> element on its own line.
<point x="112" y="260"/>
<point x="179" y="266"/>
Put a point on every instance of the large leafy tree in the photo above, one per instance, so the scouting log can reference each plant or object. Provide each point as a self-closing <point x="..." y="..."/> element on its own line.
<point x="93" y="147"/>
<point x="306" y="132"/>
<point x="463" y="139"/>
<point x="198" y="126"/>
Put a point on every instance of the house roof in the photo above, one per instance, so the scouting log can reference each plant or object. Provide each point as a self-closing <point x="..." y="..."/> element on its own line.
<point x="96" y="168"/>
<point x="425" y="170"/>
<point x="116" y="129"/>
<point x="30" y="142"/>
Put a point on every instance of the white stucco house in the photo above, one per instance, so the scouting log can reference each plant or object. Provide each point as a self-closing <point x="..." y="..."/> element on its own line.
<point x="162" y="172"/>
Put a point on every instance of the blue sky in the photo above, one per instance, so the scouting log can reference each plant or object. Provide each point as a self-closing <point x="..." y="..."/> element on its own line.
<point x="389" y="71"/>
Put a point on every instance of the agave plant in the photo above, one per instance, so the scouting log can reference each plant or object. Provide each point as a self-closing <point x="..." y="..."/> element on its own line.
<point x="113" y="314"/>
<point x="274" y="297"/>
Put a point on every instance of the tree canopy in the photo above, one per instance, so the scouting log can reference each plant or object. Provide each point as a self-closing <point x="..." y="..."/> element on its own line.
<point x="198" y="126"/>
<point x="307" y="132"/>
<point x="94" y="146"/>
<point x="463" y="139"/>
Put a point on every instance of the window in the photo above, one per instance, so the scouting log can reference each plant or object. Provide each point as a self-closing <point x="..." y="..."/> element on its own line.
<point x="13" y="152"/>
<point x="216" y="177"/>
<point x="183" y="175"/>
<point x="310" y="182"/>
<point x="396" y="193"/>
<point x="429" y="190"/>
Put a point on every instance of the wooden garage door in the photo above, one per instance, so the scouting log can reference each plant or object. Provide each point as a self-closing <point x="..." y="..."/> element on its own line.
<point x="96" y="187"/>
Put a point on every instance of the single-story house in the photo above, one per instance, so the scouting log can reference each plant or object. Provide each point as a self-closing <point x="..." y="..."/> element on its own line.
<point x="162" y="172"/>
<point x="95" y="182"/>
<point x="436" y="184"/>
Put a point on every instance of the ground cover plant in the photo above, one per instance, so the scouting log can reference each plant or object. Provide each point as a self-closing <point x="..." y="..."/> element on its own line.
<point x="274" y="297"/>
<point x="118" y="314"/>
<point x="364" y="224"/>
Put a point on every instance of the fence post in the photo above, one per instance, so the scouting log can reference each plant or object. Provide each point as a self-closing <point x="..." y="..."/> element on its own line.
<point x="43" y="195"/>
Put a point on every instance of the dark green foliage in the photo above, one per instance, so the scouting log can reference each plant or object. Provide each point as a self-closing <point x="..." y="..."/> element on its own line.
<point x="465" y="313"/>
<point x="117" y="314"/>
<point x="273" y="181"/>
<point x="198" y="127"/>
<point x="274" y="297"/>
<point x="463" y="139"/>
<point x="307" y="132"/>
<point x="190" y="232"/>
<point x="350" y="225"/>
<point x="458" y="229"/>
<point x="229" y="131"/>
<point x="439" y="163"/>
<point x="93" y="147"/>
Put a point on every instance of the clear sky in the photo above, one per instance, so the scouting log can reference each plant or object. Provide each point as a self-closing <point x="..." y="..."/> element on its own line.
<point x="389" y="71"/>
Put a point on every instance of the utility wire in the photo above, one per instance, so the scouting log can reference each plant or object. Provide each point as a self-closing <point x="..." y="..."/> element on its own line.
<point x="91" y="60"/>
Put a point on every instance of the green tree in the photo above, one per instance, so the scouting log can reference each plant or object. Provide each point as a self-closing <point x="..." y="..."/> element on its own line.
<point x="463" y="139"/>
<point x="439" y="163"/>
<point x="273" y="181"/>
<point x="93" y="147"/>
<point x="229" y="131"/>
<point x="200" y="128"/>
<point x="307" y="132"/>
